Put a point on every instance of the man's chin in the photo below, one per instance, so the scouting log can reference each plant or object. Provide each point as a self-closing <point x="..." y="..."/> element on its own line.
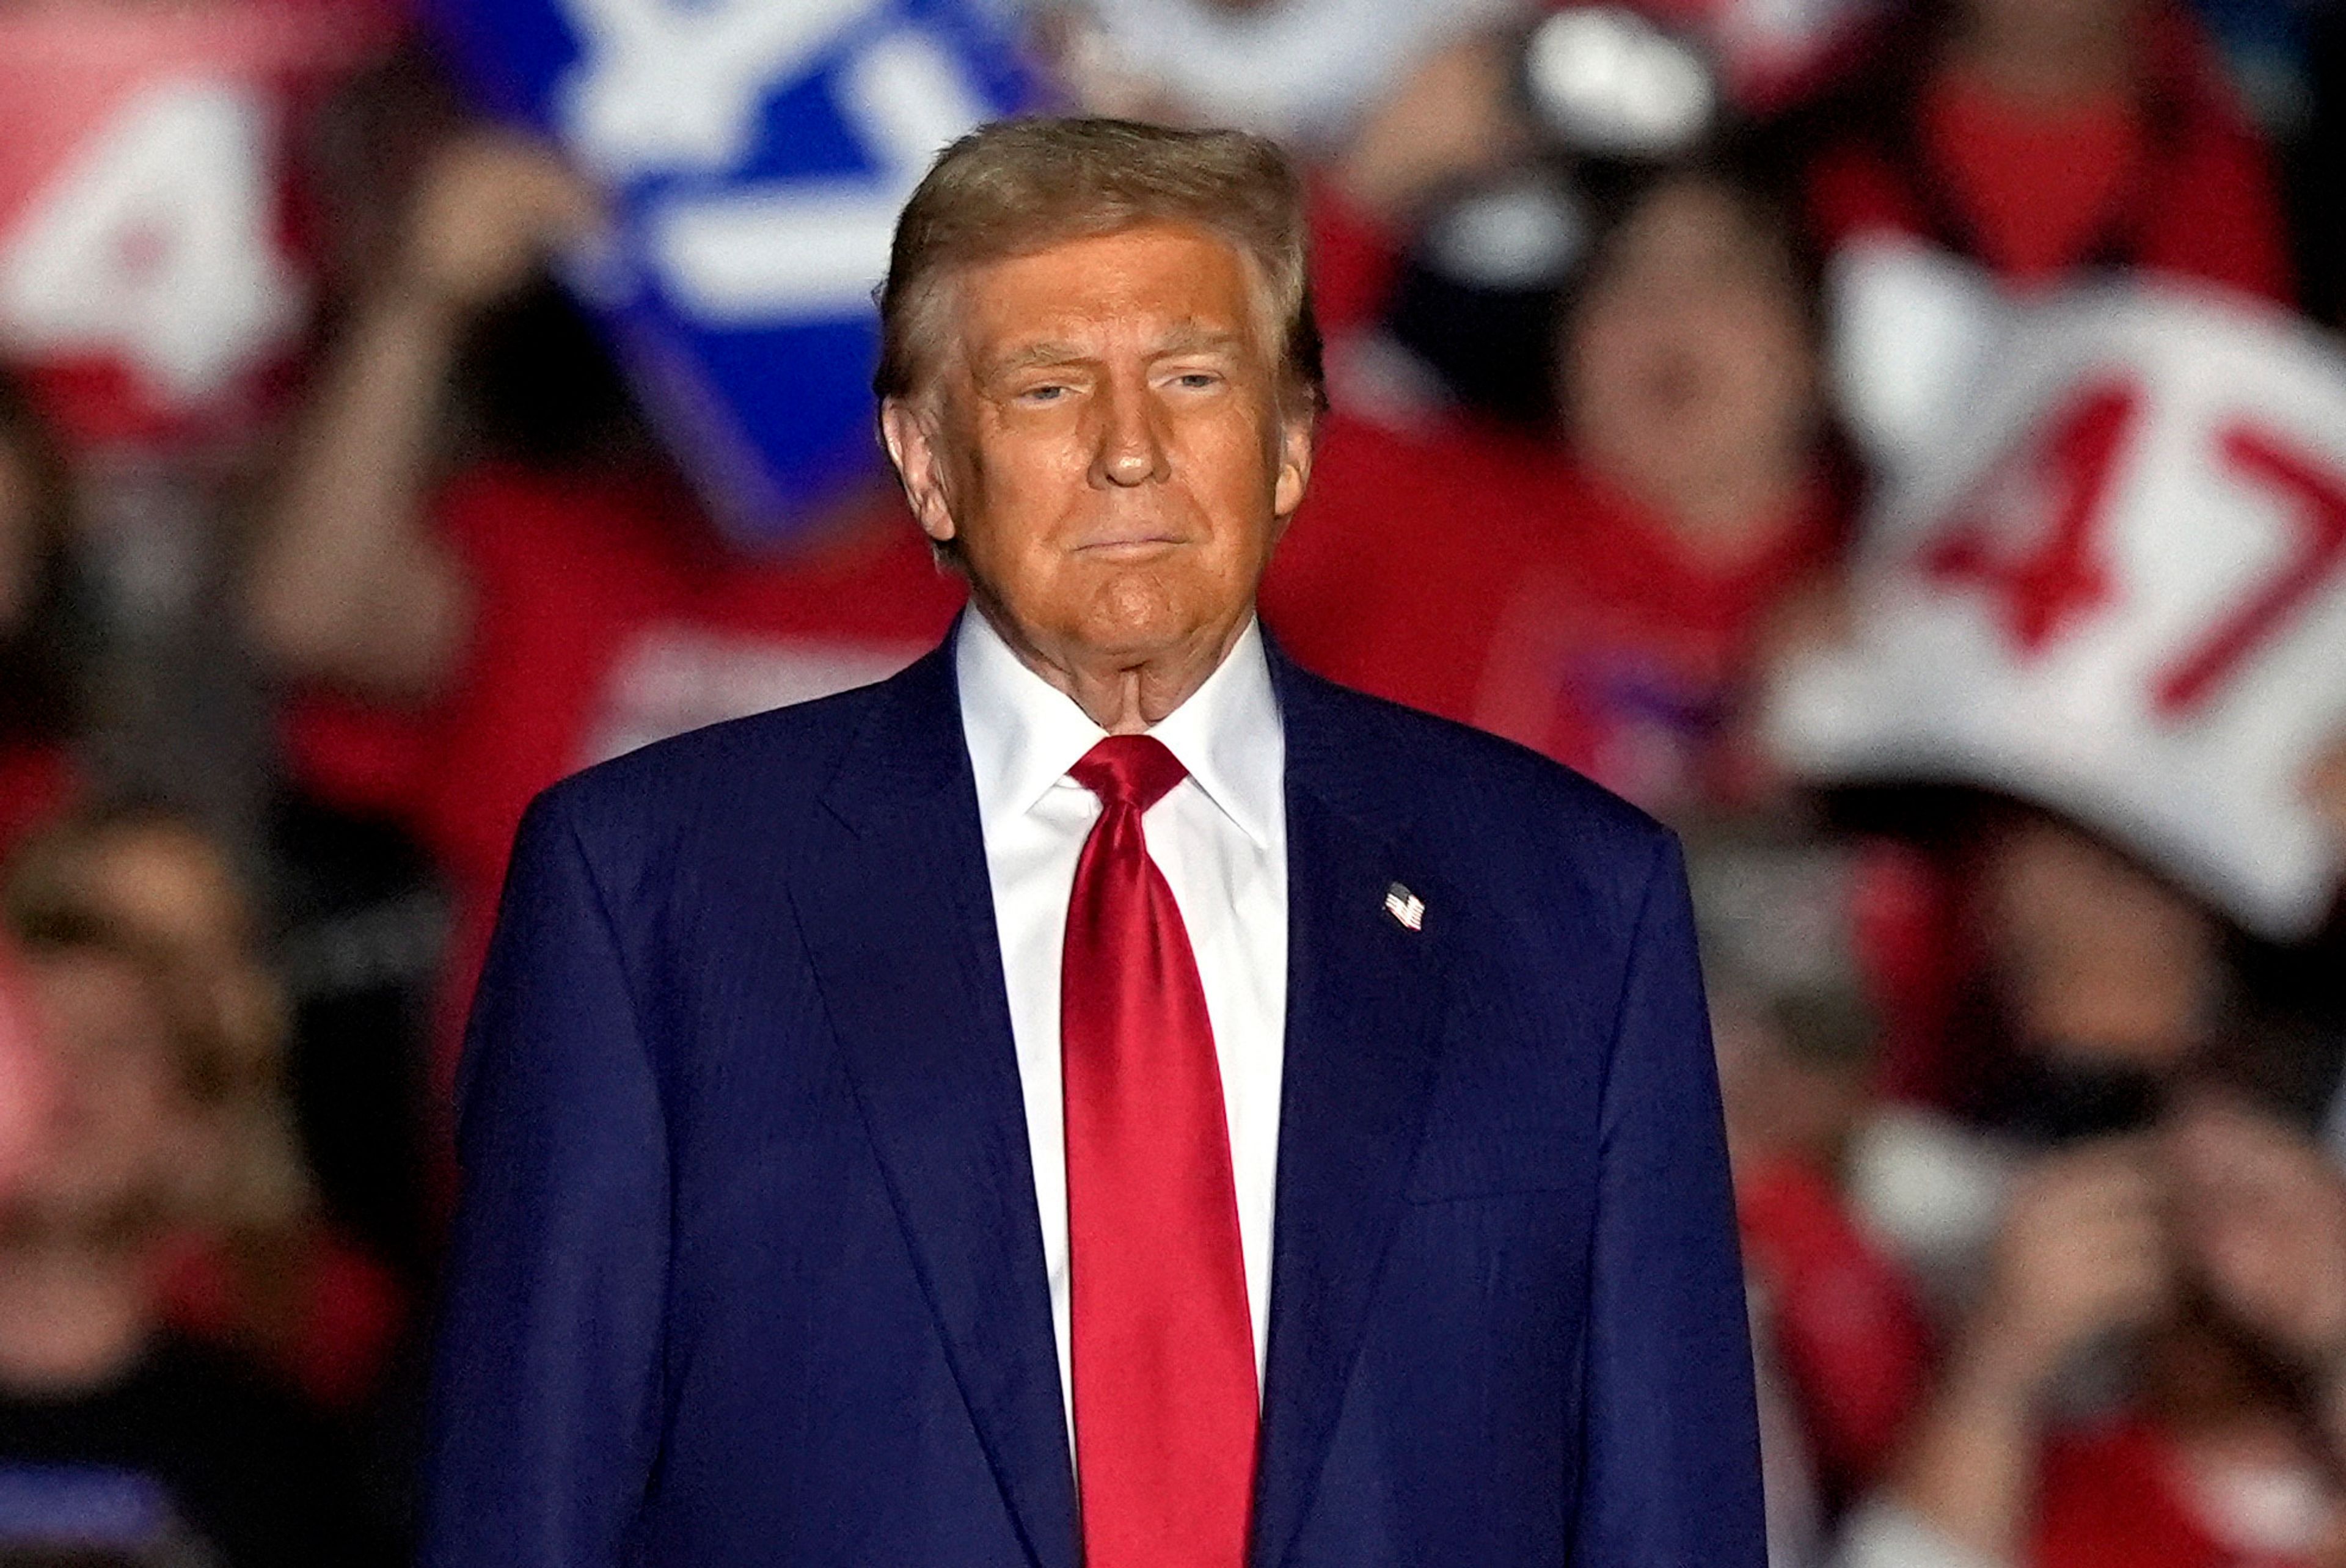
<point x="1140" y="616"/>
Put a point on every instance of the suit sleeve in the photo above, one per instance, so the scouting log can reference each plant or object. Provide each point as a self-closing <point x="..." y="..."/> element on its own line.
<point x="544" y="1410"/>
<point x="1671" y="1446"/>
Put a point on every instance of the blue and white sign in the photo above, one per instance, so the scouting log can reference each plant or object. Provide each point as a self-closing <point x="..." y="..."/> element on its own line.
<point x="758" y="152"/>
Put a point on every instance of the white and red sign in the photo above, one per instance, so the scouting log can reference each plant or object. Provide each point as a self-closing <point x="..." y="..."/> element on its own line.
<point x="2116" y="586"/>
<point x="148" y="273"/>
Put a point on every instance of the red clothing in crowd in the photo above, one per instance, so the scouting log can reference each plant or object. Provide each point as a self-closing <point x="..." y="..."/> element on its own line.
<point x="1355" y="262"/>
<point x="1494" y="581"/>
<point x="2118" y="1497"/>
<point x="322" y="1315"/>
<point x="1847" y="1328"/>
<point x="605" y="615"/>
<point x="38" y="782"/>
<point x="2172" y="177"/>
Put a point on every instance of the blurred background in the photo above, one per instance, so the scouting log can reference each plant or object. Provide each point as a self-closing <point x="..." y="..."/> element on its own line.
<point x="1901" y="444"/>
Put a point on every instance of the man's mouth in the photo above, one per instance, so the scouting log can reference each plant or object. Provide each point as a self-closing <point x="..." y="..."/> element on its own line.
<point x="1127" y="546"/>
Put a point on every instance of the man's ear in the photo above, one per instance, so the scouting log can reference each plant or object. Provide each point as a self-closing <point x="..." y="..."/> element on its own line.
<point x="911" y="441"/>
<point x="1298" y="433"/>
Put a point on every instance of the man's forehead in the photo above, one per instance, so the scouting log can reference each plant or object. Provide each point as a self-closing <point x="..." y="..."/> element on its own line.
<point x="1062" y="344"/>
<point x="1151" y="280"/>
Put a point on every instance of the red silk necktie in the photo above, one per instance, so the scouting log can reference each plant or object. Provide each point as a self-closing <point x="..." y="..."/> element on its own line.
<point x="1163" y="1346"/>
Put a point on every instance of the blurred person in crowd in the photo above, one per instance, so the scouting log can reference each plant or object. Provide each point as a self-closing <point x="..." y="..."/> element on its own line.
<point x="2045" y="137"/>
<point x="41" y="705"/>
<point x="2212" y="1246"/>
<point x="2071" y="979"/>
<point x="162" y="253"/>
<point x="183" y="181"/>
<point x="2091" y="982"/>
<point x="44" y="643"/>
<point x="266" y="1275"/>
<point x="2034" y="1216"/>
<point x="1844" y="1348"/>
<point x="102" y="1405"/>
<point x="472" y="625"/>
<point x="1455" y="124"/>
<point x="1597" y="592"/>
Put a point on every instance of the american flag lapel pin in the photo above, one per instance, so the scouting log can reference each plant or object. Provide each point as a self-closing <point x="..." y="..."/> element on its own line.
<point x="1405" y="907"/>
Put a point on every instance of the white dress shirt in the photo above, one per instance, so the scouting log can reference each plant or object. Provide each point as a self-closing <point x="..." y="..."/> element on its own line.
<point x="1219" y="837"/>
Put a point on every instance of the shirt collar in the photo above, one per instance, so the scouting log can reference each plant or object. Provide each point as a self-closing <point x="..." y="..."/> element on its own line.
<point x="1024" y="734"/>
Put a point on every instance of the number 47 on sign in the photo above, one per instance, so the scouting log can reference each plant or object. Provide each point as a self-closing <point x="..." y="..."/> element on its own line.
<point x="2046" y="588"/>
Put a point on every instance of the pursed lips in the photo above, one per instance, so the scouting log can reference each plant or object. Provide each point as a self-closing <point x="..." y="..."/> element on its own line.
<point x="1120" y="542"/>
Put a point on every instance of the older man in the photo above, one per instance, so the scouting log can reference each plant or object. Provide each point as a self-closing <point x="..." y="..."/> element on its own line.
<point x="1104" y="1095"/>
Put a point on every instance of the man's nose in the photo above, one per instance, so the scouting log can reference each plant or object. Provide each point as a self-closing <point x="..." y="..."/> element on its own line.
<point x="1130" y="447"/>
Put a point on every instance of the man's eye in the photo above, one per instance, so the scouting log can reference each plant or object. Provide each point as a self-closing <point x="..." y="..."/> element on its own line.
<point x="1198" y="379"/>
<point x="1050" y="391"/>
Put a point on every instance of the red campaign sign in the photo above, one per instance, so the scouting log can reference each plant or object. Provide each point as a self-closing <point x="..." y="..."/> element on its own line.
<point x="150" y="277"/>
<point x="2116" y="586"/>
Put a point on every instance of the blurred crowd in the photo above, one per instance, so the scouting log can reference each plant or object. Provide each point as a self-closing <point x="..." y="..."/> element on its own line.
<point x="2038" y="1136"/>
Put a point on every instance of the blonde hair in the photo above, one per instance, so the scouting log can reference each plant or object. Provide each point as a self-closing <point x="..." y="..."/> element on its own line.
<point x="1018" y="186"/>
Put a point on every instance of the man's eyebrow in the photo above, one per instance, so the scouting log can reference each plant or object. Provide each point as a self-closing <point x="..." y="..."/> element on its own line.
<point x="1188" y="338"/>
<point x="1192" y="338"/>
<point x="1032" y="355"/>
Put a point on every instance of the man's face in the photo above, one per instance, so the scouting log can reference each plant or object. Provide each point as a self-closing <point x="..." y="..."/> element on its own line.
<point x="1105" y="445"/>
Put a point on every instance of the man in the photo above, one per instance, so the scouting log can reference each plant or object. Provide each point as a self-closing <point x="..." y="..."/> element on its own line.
<point x="1104" y="1095"/>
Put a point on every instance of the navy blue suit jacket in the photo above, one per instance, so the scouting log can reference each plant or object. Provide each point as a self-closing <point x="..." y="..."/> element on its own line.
<point x="748" y="1267"/>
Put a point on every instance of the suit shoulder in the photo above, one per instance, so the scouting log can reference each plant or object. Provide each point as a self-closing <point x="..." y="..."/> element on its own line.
<point x="1547" y="861"/>
<point x="1427" y="772"/>
<point x="774" y="764"/>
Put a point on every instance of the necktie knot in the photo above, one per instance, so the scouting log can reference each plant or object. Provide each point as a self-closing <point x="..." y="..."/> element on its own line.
<point x="1135" y="770"/>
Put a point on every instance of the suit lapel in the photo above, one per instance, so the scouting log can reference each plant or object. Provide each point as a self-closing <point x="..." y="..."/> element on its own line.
<point x="893" y="899"/>
<point x="1362" y="1038"/>
<point x="898" y="915"/>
